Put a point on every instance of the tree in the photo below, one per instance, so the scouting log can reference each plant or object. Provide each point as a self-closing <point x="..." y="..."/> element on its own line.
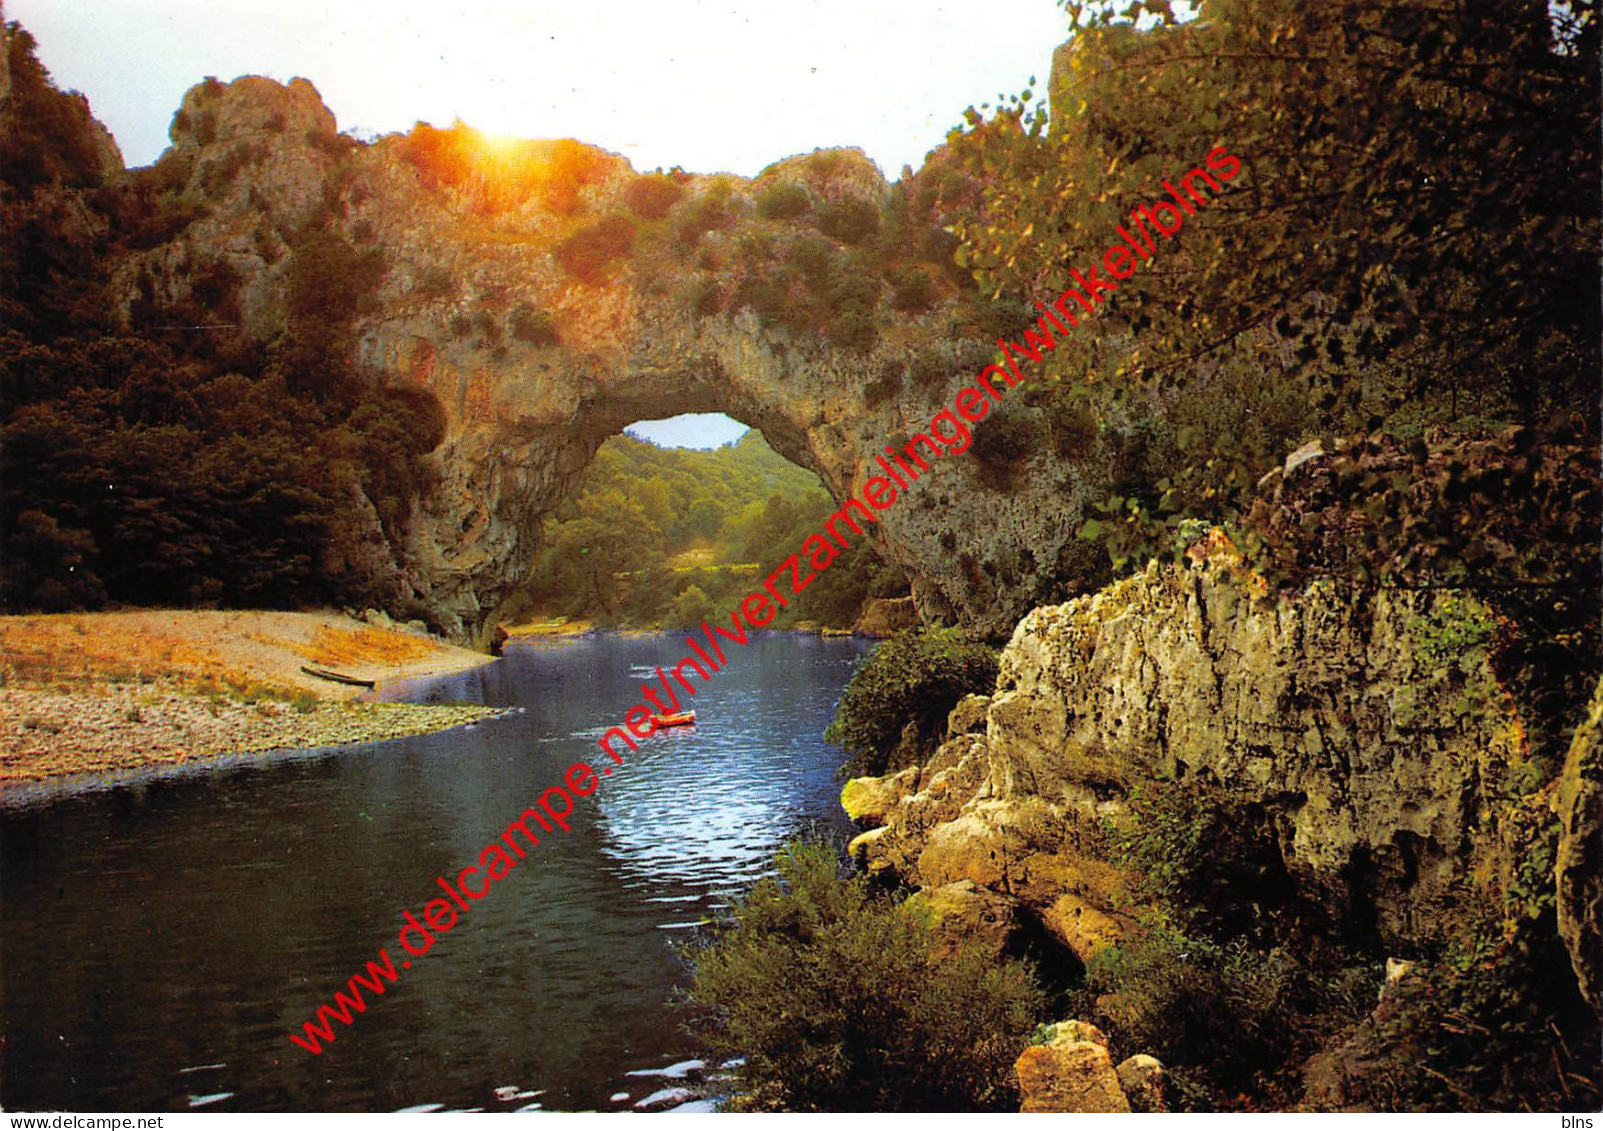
<point x="690" y="608"/>
<point x="1390" y="248"/>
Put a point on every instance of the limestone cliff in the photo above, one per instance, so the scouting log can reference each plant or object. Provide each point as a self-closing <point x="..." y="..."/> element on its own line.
<point x="1360" y="734"/>
<point x="549" y="296"/>
<point x="1579" y="804"/>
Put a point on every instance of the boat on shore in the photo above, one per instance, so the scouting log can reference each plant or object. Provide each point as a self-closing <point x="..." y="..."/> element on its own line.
<point x="338" y="677"/>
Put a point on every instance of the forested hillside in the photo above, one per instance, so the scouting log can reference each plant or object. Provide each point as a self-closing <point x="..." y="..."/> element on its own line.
<point x="175" y="459"/>
<point x="660" y="536"/>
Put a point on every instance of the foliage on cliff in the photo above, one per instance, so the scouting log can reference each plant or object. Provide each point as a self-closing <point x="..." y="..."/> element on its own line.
<point x="835" y="1000"/>
<point x="911" y="681"/>
<point x="1393" y="255"/>
<point x="48" y="136"/>
<point x="170" y="458"/>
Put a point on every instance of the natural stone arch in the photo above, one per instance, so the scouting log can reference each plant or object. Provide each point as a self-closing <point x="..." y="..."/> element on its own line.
<point x="666" y="329"/>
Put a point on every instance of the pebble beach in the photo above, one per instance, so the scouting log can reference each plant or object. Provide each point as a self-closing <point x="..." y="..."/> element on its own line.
<point x="107" y="692"/>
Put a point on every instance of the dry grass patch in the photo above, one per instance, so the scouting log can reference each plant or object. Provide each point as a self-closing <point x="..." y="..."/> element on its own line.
<point x="359" y="646"/>
<point x="46" y="651"/>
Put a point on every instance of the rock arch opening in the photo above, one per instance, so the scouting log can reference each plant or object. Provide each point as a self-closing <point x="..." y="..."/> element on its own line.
<point x="548" y="295"/>
<point x="666" y="534"/>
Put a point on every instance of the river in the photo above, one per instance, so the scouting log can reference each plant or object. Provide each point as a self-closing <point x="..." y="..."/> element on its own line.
<point x="164" y="933"/>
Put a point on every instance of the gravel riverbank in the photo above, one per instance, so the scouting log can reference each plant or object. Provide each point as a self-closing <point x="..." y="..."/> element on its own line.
<point x="98" y="693"/>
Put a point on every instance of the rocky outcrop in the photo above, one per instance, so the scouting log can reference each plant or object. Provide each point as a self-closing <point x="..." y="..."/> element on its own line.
<point x="755" y="298"/>
<point x="870" y="800"/>
<point x="1068" y="1069"/>
<point x="962" y="915"/>
<point x="1142" y="1079"/>
<point x="1362" y="732"/>
<point x="885" y="616"/>
<point x="1578" y="802"/>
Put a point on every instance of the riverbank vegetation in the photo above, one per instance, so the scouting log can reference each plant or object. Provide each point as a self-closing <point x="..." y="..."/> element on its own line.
<point x="834" y="998"/>
<point x="894" y="710"/>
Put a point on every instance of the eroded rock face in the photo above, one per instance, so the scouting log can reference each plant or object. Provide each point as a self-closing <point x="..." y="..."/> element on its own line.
<point x="667" y="328"/>
<point x="1375" y="758"/>
<point x="870" y="800"/>
<point x="1578" y="801"/>
<point x="962" y="915"/>
<point x="885" y="616"/>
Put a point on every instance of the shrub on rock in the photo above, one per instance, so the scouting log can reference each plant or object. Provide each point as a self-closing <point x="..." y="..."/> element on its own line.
<point x="914" y="677"/>
<point x="835" y="999"/>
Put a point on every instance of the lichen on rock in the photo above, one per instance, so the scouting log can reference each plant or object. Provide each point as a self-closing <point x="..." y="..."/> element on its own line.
<point x="1578" y="801"/>
<point x="1067" y="1068"/>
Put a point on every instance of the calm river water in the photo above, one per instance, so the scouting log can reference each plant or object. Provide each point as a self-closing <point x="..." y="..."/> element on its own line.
<point x="162" y="936"/>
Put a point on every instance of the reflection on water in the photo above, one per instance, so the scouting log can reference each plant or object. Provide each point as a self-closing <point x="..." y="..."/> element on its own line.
<point x="162" y="937"/>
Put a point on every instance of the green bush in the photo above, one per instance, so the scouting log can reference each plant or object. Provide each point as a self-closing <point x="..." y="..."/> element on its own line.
<point x="783" y="201"/>
<point x="884" y="387"/>
<point x="704" y="214"/>
<point x="690" y="608"/>
<point x="1497" y="1026"/>
<point x="914" y="677"/>
<point x="853" y="221"/>
<point x="1230" y="1024"/>
<point x="832" y="996"/>
<point x="1004" y="441"/>
<point x="824" y="163"/>
<point x="814" y="257"/>
<point x="220" y="174"/>
<point x="334" y="145"/>
<point x="768" y="293"/>
<point x="1497" y="1023"/>
<point x="1074" y="427"/>
<point x="853" y="330"/>
<point x="1209" y="864"/>
<point x="328" y="279"/>
<point x="586" y="253"/>
<point x="852" y="306"/>
<point x="651" y="196"/>
<point x="1454" y="629"/>
<point x="931" y="366"/>
<point x="912" y="290"/>
<point x="703" y="295"/>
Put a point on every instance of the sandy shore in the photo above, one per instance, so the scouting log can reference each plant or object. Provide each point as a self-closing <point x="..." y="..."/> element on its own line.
<point x="554" y="627"/>
<point x="97" y="692"/>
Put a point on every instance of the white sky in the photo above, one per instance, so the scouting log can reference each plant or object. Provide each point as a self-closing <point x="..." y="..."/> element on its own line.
<point x="712" y="85"/>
